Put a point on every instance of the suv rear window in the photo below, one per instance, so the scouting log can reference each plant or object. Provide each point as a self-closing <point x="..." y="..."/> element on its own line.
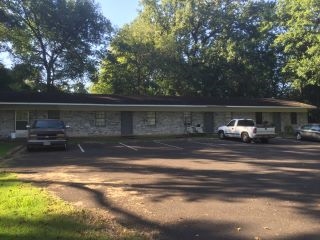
<point x="56" y="124"/>
<point x="246" y="123"/>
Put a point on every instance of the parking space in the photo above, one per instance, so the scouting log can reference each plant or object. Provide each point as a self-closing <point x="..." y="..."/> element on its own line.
<point x="155" y="145"/>
<point x="189" y="188"/>
<point x="189" y="146"/>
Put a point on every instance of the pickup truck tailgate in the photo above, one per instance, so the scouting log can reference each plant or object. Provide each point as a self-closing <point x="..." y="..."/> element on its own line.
<point x="265" y="131"/>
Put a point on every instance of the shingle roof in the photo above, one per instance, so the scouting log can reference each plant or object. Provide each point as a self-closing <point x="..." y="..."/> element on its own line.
<point x="59" y="98"/>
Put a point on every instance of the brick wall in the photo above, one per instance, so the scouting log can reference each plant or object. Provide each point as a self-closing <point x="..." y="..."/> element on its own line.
<point x="166" y="123"/>
<point x="82" y="123"/>
<point x="7" y="123"/>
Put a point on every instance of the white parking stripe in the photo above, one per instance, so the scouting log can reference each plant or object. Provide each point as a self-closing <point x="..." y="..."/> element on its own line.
<point x="81" y="149"/>
<point x="128" y="146"/>
<point x="168" y="145"/>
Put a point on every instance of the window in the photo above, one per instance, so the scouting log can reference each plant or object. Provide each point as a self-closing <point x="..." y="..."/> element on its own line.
<point x="231" y="123"/>
<point x="48" y="124"/>
<point x="258" y="117"/>
<point x="306" y="127"/>
<point x="246" y="123"/>
<point x="315" y="128"/>
<point x="22" y="119"/>
<point x="53" y="114"/>
<point x="187" y="116"/>
<point x="293" y="117"/>
<point x="151" y="118"/>
<point x="100" y="119"/>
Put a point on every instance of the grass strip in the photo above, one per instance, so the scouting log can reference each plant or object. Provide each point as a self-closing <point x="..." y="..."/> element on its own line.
<point x="5" y="147"/>
<point x="28" y="212"/>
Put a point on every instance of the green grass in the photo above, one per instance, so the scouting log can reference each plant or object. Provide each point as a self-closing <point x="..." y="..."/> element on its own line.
<point x="27" y="212"/>
<point x="5" y="147"/>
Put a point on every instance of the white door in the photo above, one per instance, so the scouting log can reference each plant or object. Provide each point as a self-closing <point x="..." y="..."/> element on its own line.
<point x="22" y="120"/>
<point x="230" y="130"/>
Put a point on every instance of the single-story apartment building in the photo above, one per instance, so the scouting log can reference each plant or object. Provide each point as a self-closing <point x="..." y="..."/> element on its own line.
<point x="114" y="115"/>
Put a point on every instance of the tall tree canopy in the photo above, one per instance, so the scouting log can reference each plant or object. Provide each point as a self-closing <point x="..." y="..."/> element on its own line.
<point x="62" y="38"/>
<point x="194" y="47"/>
<point x="20" y="77"/>
<point x="300" y="40"/>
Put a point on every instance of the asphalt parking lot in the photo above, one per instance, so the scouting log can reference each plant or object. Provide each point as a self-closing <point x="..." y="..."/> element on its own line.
<point x="199" y="188"/>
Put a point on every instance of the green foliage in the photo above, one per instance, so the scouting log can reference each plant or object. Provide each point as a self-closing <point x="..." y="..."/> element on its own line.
<point x="214" y="48"/>
<point x="288" y="130"/>
<point x="20" y="77"/>
<point x="300" y="39"/>
<point x="5" y="147"/>
<point x="4" y="77"/>
<point x="61" y="38"/>
<point x="217" y="48"/>
<point x="30" y="213"/>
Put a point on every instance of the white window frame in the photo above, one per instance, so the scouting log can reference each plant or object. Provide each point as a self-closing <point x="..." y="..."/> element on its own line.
<point x="21" y="120"/>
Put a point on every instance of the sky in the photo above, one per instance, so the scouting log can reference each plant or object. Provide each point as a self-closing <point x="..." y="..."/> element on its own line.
<point x="119" y="12"/>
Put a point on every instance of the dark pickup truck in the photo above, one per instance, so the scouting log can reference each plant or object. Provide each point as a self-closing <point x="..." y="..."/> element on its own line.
<point x="47" y="133"/>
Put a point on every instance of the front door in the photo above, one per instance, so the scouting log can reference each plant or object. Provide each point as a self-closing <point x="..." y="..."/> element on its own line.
<point x="208" y="122"/>
<point x="126" y="124"/>
<point x="230" y="129"/>
<point x="21" y="122"/>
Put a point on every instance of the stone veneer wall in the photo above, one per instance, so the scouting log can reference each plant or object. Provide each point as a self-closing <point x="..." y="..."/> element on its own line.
<point x="222" y="118"/>
<point x="82" y="123"/>
<point x="166" y="123"/>
<point x="33" y="115"/>
<point x="7" y="124"/>
<point x="302" y="118"/>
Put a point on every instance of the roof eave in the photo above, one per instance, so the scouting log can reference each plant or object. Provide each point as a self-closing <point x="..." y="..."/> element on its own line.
<point x="155" y="107"/>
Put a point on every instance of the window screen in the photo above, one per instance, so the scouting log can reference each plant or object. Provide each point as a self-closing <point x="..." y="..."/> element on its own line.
<point x="100" y="119"/>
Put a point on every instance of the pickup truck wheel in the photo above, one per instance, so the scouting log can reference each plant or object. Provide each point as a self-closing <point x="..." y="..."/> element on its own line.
<point x="298" y="136"/>
<point x="221" y="135"/>
<point x="245" y="137"/>
<point x="264" y="140"/>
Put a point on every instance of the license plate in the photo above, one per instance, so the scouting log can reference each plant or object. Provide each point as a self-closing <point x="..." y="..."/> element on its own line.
<point x="46" y="143"/>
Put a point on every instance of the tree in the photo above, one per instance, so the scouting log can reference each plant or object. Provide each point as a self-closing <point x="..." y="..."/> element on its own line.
<point x="195" y="47"/>
<point x="4" y="77"/>
<point x="63" y="38"/>
<point x="299" y="38"/>
<point x="20" y="77"/>
<point x="130" y="64"/>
